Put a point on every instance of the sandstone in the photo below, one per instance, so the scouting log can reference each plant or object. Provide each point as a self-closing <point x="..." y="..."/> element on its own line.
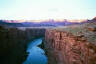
<point x="71" y="47"/>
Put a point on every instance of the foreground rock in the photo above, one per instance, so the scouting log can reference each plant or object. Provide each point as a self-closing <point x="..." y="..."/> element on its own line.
<point x="71" y="45"/>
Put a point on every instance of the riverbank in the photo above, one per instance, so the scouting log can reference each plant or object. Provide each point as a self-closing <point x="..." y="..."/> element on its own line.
<point x="13" y="44"/>
<point x="36" y="55"/>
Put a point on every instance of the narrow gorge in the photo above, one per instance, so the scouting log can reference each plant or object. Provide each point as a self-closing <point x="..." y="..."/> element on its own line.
<point x="74" y="44"/>
<point x="14" y="41"/>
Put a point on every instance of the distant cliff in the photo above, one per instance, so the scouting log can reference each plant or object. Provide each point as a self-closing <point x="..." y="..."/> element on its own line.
<point x="42" y="23"/>
<point x="71" y="45"/>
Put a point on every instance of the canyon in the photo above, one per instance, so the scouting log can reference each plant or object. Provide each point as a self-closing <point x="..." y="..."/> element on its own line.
<point x="72" y="44"/>
<point x="13" y="43"/>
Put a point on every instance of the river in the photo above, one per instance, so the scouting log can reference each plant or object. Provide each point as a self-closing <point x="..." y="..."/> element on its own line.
<point x="36" y="54"/>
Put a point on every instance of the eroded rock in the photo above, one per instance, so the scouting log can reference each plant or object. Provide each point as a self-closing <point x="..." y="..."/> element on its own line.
<point x="66" y="48"/>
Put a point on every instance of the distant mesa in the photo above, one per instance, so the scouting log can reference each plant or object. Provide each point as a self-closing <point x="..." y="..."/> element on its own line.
<point x="44" y="23"/>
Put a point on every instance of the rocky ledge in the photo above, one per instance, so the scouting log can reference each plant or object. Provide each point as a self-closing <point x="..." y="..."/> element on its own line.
<point x="72" y="44"/>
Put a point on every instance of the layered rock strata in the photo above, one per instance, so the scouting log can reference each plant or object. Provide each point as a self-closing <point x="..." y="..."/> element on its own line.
<point x="66" y="47"/>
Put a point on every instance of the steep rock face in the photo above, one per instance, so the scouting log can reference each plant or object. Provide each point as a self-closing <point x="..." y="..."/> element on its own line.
<point x="13" y="44"/>
<point x="35" y="32"/>
<point x="62" y="47"/>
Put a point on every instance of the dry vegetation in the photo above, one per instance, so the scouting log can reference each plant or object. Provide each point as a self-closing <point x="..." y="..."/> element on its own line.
<point x="87" y="30"/>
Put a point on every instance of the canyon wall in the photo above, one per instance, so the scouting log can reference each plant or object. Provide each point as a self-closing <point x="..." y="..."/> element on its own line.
<point x="13" y="43"/>
<point x="62" y="47"/>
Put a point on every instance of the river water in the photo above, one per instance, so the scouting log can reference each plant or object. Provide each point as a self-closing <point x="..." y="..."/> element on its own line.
<point x="36" y="54"/>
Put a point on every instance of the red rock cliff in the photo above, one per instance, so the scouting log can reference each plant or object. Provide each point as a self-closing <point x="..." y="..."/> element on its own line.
<point x="63" y="47"/>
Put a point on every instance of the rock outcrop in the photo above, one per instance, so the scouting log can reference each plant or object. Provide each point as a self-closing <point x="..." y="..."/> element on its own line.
<point x="71" y="45"/>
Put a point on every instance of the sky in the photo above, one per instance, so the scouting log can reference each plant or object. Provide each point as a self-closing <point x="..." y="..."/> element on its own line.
<point x="47" y="9"/>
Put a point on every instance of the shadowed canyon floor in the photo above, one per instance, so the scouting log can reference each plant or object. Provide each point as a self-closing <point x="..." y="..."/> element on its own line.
<point x="36" y="55"/>
<point x="13" y="43"/>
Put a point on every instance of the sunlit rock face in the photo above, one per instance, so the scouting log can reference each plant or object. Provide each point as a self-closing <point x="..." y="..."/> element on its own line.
<point x="64" y="46"/>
